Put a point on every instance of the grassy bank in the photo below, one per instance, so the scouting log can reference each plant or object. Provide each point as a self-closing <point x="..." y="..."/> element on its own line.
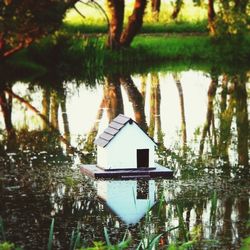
<point x="151" y="27"/>
<point x="66" y="57"/>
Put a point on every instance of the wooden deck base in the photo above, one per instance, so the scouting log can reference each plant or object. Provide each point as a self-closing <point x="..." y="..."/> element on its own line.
<point x="98" y="173"/>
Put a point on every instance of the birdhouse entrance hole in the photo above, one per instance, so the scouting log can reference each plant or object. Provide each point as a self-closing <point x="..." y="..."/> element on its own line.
<point x="142" y="158"/>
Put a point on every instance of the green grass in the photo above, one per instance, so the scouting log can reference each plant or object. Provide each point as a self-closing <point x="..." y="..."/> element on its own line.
<point x="172" y="27"/>
<point x="174" y="48"/>
<point x="65" y="57"/>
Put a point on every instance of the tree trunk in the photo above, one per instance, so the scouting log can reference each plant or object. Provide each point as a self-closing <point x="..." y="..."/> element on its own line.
<point x="155" y="8"/>
<point x="241" y="5"/>
<point x="211" y="17"/>
<point x="177" y="8"/>
<point x="136" y="99"/>
<point x="134" y="23"/>
<point x="116" y="16"/>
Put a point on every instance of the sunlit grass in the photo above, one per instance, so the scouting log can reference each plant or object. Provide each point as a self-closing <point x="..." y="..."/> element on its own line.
<point x="174" y="48"/>
<point x="94" y="17"/>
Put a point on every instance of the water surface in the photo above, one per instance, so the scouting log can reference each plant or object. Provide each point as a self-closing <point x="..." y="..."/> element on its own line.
<point x="200" y="121"/>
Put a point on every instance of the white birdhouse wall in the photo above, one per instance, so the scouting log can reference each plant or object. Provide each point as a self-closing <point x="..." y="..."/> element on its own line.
<point x="122" y="151"/>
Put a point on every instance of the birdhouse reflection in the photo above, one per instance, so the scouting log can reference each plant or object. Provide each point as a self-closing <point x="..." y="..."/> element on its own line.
<point x="129" y="200"/>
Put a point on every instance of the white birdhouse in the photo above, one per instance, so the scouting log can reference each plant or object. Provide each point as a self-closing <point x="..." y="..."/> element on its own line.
<point x="125" y="151"/>
<point x="124" y="145"/>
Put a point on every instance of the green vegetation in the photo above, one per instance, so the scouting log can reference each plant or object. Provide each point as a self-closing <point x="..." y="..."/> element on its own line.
<point x="66" y="57"/>
<point x="153" y="28"/>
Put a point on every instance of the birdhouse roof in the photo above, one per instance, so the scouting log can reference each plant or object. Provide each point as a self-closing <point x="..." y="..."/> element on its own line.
<point x="112" y="130"/>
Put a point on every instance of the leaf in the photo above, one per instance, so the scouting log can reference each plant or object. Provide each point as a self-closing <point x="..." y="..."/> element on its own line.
<point x="154" y="241"/>
<point x="51" y="232"/>
<point x="107" y="237"/>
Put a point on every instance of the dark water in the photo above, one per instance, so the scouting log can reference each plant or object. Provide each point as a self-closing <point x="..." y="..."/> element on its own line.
<point x="200" y="120"/>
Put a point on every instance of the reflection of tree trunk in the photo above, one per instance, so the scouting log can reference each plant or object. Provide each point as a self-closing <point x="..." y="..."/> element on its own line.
<point x="45" y="107"/>
<point x="199" y="212"/>
<point x="113" y="97"/>
<point x="243" y="217"/>
<point x="54" y="109"/>
<point x="65" y="116"/>
<point x="182" y="106"/>
<point x="134" y="23"/>
<point x="143" y="87"/>
<point x="211" y="17"/>
<point x="154" y="82"/>
<point x="177" y="7"/>
<point x="155" y="7"/>
<point x="158" y="112"/>
<point x="227" y="222"/>
<point x="214" y="134"/>
<point x="226" y="116"/>
<point x="137" y="101"/>
<point x="198" y="222"/>
<point x="6" y="106"/>
<point x="116" y="16"/>
<point x="155" y="101"/>
<point x="37" y="112"/>
<point x="188" y="214"/>
<point x="242" y="121"/>
<point x="89" y="145"/>
<point x="210" y="112"/>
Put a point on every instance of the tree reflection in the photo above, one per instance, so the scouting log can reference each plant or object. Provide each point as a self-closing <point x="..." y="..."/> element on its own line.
<point x="6" y="107"/>
<point x="45" y="107"/>
<point x="136" y="99"/>
<point x="155" y="113"/>
<point x="34" y="184"/>
<point x="182" y="107"/>
<point x="210" y="110"/>
<point x="113" y="96"/>
<point x="242" y="121"/>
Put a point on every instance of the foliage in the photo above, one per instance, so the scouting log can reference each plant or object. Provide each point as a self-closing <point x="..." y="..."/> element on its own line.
<point x="246" y="244"/>
<point x="7" y="246"/>
<point x="22" y="22"/>
<point x="232" y="18"/>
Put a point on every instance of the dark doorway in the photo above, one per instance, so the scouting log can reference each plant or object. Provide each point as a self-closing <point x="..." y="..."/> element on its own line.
<point x="142" y="158"/>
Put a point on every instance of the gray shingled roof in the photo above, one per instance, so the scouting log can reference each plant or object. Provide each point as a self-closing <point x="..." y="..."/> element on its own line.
<point x="114" y="127"/>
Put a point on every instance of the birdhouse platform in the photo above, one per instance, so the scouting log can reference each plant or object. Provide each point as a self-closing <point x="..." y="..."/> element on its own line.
<point x="146" y="173"/>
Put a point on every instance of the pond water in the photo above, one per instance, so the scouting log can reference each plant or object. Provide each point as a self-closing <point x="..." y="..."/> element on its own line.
<point x="200" y="121"/>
